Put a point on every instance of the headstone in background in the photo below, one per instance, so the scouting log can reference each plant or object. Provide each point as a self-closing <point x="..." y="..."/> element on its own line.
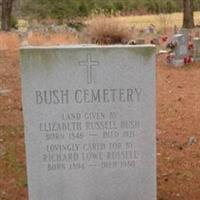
<point x="196" y="55"/>
<point x="181" y="49"/>
<point x="90" y="122"/>
<point x="182" y="45"/>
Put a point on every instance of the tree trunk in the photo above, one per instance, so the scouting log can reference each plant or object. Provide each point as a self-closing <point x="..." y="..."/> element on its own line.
<point x="188" y="16"/>
<point x="6" y="7"/>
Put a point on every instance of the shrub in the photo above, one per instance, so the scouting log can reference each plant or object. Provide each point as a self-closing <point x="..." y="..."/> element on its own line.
<point x="107" y="30"/>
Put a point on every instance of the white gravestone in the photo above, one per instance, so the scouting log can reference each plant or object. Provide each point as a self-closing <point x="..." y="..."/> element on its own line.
<point x="181" y="49"/>
<point x="89" y="115"/>
<point x="196" y="53"/>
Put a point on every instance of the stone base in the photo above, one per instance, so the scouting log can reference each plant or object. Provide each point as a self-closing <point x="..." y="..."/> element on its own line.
<point x="178" y="62"/>
<point x="197" y="59"/>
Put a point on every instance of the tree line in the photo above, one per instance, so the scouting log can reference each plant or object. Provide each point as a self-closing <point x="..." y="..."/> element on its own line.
<point x="71" y="8"/>
<point x="66" y="9"/>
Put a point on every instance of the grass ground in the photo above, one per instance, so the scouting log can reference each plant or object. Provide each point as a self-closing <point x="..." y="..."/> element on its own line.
<point x="160" y="21"/>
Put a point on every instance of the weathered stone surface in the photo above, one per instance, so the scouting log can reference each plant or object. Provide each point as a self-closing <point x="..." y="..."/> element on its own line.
<point x="89" y="116"/>
<point x="182" y="46"/>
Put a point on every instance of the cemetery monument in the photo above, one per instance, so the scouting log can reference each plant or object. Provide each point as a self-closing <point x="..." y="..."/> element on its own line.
<point x="89" y="114"/>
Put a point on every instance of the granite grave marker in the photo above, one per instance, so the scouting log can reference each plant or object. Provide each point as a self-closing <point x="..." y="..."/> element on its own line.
<point x="89" y="114"/>
<point x="181" y="49"/>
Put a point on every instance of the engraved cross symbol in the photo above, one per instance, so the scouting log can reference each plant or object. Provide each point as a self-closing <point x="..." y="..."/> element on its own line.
<point x="89" y="63"/>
